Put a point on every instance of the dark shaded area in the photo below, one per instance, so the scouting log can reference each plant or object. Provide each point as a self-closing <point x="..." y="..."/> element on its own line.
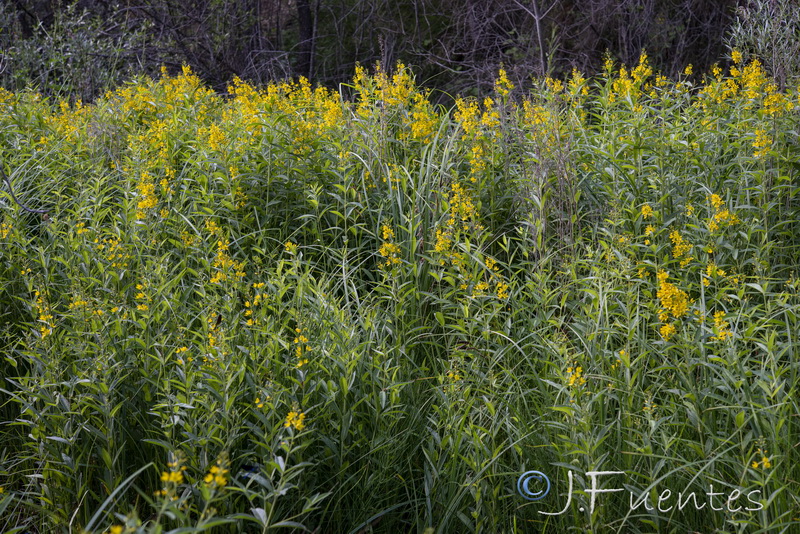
<point x="453" y="45"/>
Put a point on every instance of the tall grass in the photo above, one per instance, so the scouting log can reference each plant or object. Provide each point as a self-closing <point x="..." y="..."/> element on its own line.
<point x="281" y="309"/>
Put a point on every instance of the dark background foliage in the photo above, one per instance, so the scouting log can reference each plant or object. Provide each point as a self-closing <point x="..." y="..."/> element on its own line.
<point x="455" y="46"/>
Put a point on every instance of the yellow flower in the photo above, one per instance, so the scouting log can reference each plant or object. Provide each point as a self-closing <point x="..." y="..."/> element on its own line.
<point x="736" y="56"/>
<point x="667" y="331"/>
<point x="764" y="462"/>
<point x="680" y="247"/>
<point x="502" y="85"/>
<point x="762" y="143"/>
<point x="673" y="300"/>
<point x="295" y="419"/>
<point x="172" y="477"/>
<point x="722" y="327"/>
<point x="575" y="376"/>
<point x="216" y="475"/>
<point x="453" y="375"/>
<point x="502" y="290"/>
<point x="291" y="248"/>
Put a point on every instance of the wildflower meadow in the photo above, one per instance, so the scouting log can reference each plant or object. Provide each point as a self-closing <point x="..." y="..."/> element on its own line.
<point x="294" y="308"/>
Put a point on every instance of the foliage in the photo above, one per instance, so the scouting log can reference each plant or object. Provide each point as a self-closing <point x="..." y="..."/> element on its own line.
<point x="78" y="47"/>
<point x="769" y="30"/>
<point x="77" y="54"/>
<point x="282" y="308"/>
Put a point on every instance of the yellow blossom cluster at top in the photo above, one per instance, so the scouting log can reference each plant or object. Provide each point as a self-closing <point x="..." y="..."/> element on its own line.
<point x="172" y="478"/>
<point x="764" y="463"/>
<point x="254" y="302"/>
<point x="226" y="267"/>
<point x="629" y="85"/>
<point x="749" y="82"/>
<point x="575" y="378"/>
<point x="673" y="301"/>
<point x="502" y="85"/>
<point x="389" y="249"/>
<point x="301" y="347"/>
<point x="462" y="219"/>
<point x="5" y="229"/>
<point x="721" y="327"/>
<point x="45" y="315"/>
<point x="722" y="216"/>
<point x="217" y="474"/>
<point x="680" y="247"/>
<point x="397" y="91"/>
<point x="480" y="127"/>
<point x="295" y="419"/>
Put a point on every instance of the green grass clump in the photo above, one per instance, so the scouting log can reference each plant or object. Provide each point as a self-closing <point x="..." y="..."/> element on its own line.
<point x="282" y="308"/>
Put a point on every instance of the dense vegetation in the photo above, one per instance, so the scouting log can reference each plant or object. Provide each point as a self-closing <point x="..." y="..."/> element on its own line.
<point x="81" y="47"/>
<point x="283" y="307"/>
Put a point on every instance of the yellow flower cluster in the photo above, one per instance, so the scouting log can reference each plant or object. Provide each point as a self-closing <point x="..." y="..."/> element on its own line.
<point x="291" y="248"/>
<point x="389" y="250"/>
<point x="453" y="375"/>
<point x="396" y="92"/>
<point x="553" y="85"/>
<point x="575" y="378"/>
<point x="750" y="82"/>
<point x="680" y="248"/>
<point x="301" y="347"/>
<point x="543" y="127"/>
<point x="213" y="135"/>
<point x="114" y="252"/>
<point x="146" y="190"/>
<point x="667" y="331"/>
<point x="479" y="128"/>
<point x="577" y="84"/>
<point x="762" y="143"/>
<point x="647" y="212"/>
<point x="502" y="86"/>
<point x="500" y="286"/>
<point x="764" y="463"/>
<point x="721" y="327"/>
<point x="423" y="119"/>
<point x="71" y="121"/>
<point x="255" y="302"/>
<point x="45" y="316"/>
<point x="5" y="228"/>
<point x="650" y="230"/>
<point x="171" y="478"/>
<point x="295" y="419"/>
<point x="462" y="216"/>
<point x="213" y="321"/>
<point x="180" y="351"/>
<point x="629" y="85"/>
<point x="224" y="264"/>
<point x="711" y="271"/>
<point x="722" y="216"/>
<point x="142" y="297"/>
<point x="673" y="300"/>
<point x="216" y="477"/>
<point x="649" y="406"/>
